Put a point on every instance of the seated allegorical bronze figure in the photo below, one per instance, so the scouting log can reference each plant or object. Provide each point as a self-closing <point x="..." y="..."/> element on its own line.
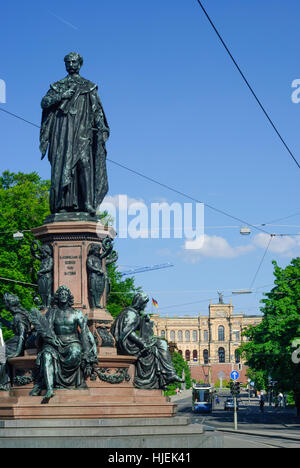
<point x="67" y="355"/>
<point x="23" y="337"/>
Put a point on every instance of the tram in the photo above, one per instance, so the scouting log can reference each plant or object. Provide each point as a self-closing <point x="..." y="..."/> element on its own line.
<point x="202" y="398"/>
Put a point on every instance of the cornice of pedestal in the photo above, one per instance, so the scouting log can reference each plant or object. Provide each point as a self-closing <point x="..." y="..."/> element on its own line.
<point x="76" y="229"/>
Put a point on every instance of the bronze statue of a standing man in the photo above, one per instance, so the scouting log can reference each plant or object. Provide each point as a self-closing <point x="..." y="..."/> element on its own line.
<point x="74" y="130"/>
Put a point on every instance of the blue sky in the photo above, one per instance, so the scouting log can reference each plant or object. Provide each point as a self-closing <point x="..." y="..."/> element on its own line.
<point x="180" y="113"/>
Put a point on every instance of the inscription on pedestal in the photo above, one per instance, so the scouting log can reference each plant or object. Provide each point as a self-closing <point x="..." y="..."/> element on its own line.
<point x="70" y="270"/>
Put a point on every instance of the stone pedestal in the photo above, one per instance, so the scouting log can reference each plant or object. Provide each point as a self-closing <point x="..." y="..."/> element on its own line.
<point x="109" y="394"/>
<point x="71" y="241"/>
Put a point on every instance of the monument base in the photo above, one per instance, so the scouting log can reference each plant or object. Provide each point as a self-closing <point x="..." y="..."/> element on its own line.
<point x="109" y="394"/>
<point x="174" y="433"/>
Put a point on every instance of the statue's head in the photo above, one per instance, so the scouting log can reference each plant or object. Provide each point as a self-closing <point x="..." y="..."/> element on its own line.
<point x="140" y="300"/>
<point x="73" y="62"/>
<point x="94" y="249"/>
<point x="10" y="300"/>
<point x="63" y="295"/>
<point x="47" y="250"/>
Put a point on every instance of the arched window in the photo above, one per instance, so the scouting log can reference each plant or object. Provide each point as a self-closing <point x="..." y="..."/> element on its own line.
<point x="187" y="355"/>
<point x="195" y="336"/>
<point x="195" y="355"/>
<point x="221" y="353"/>
<point x="180" y="351"/>
<point x="205" y="356"/>
<point x="187" y="335"/>
<point x="237" y="357"/>
<point x="179" y="335"/>
<point x="172" y="336"/>
<point x="221" y="333"/>
<point x="205" y="335"/>
<point x="163" y="334"/>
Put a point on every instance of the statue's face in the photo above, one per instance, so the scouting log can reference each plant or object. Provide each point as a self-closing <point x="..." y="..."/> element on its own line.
<point x="11" y="300"/>
<point x="140" y="301"/>
<point x="63" y="296"/>
<point x="72" y="64"/>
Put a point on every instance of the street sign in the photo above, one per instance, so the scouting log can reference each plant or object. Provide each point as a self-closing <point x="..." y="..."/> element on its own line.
<point x="234" y="375"/>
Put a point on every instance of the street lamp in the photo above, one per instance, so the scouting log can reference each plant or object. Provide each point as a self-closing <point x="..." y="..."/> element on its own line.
<point x="245" y="231"/>
<point x="242" y="291"/>
<point x="18" y="235"/>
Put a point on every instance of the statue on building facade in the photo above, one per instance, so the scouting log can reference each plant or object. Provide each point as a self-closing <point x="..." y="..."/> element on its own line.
<point x="221" y="297"/>
<point x="67" y="355"/>
<point x="74" y="130"/>
<point x="133" y="332"/>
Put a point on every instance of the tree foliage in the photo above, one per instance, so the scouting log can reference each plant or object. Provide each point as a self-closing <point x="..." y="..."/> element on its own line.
<point x="24" y="204"/>
<point x="182" y="369"/>
<point x="122" y="291"/>
<point x="270" y="349"/>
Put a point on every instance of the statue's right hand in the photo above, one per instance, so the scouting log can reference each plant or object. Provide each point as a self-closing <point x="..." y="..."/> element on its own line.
<point x="68" y="94"/>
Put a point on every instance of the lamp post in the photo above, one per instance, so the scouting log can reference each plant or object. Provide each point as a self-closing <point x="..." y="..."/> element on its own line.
<point x="249" y="380"/>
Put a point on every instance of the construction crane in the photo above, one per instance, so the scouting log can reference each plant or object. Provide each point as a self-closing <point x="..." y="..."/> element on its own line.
<point x="146" y="268"/>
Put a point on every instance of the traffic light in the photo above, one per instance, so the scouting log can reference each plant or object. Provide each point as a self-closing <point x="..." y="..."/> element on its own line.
<point x="234" y="387"/>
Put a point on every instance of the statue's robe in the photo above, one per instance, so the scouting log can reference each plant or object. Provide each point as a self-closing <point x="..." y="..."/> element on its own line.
<point x="74" y="132"/>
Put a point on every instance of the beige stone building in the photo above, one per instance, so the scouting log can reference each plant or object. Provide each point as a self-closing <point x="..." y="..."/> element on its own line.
<point x="207" y="340"/>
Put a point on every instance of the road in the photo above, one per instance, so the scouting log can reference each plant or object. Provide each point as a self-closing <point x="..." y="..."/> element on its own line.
<point x="274" y="428"/>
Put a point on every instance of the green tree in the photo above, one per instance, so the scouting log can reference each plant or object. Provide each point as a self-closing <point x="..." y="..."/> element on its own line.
<point x="182" y="369"/>
<point x="122" y="291"/>
<point x="270" y="349"/>
<point x="259" y="377"/>
<point x="24" y="204"/>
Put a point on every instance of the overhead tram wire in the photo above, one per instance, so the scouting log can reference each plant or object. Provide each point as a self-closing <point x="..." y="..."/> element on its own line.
<point x="280" y="219"/>
<point x="248" y="84"/>
<point x="168" y="187"/>
<point x="18" y="282"/>
<point x="261" y="262"/>
<point x="185" y="195"/>
<point x="20" y="118"/>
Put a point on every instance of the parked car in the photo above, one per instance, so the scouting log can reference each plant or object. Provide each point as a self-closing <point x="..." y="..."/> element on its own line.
<point x="229" y="404"/>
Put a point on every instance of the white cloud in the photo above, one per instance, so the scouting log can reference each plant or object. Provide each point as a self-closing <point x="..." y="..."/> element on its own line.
<point x="286" y="245"/>
<point x="214" y="247"/>
<point x="219" y="247"/>
<point x="118" y="201"/>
